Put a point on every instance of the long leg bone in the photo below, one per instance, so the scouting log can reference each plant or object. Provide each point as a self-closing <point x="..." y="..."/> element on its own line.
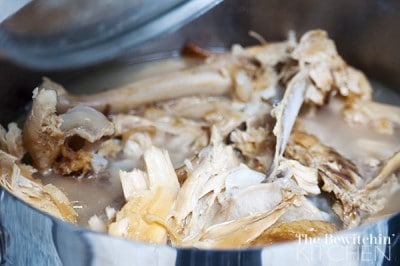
<point x="199" y="81"/>
<point x="375" y="195"/>
<point x="391" y="166"/>
<point x="217" y="76"/>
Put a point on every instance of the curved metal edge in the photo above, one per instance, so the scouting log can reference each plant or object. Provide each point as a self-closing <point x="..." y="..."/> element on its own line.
<point x="4" y="238"/>
<point x="112" y="47"/>
<point x="36" y="237"/>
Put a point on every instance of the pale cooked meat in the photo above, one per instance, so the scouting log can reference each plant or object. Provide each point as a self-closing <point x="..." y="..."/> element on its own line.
<point x="382" y="117"/>
<point x="236" y="216"/>
<point x="320" y="73"/>
<point x="308" y="150"/>
<point x="306" y="178"/>
<point x="11" y="140"/>
<point x="285" y="114"/>
<point x="244" y="72"/>
<point x="236" y="170"/>
<point x="256" y="145"/>
<point x="257" y="197"/>
<point x="219" y="196"/>
<point x="45" y="132"/>
<point x="198" y="108"/>
<point x="241" y="232"/>
<point x="253" y="137"/>
<point x="17" y="178"/>
<point x="338" y="174"/>
<point x="210" y="80"/>
<point x="358" y="199"/>
<point x="261" y="213"/>
<point x="204" y="183"/>
<point x="317" y="55"/>
<point x="182" y="137"/>
<point x="42" y="134"/>
<point x="245" y="201"/>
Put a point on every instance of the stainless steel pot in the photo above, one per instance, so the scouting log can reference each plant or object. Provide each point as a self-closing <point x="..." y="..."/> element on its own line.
<point x="367" y="35"/>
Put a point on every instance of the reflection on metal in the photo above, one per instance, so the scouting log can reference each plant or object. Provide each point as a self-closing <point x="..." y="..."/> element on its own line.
<point x="3" y="245"/>
<point x="38" y="239"/>
<point x="8" y="8"/>
<point x="90" y="31"/>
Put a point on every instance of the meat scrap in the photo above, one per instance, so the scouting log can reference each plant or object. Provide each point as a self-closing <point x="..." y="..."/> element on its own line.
<point x="212" y="155"/>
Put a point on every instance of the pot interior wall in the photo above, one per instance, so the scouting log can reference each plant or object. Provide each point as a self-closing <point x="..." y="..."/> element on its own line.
<point x="366" y="34"/>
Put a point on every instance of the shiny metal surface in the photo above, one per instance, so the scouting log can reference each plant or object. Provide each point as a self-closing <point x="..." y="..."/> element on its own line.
<point x="49" y="34"/>
<point x="366" y="33"/>
<point x="29" y="237"/>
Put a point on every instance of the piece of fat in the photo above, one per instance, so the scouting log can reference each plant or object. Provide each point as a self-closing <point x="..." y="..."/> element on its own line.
<point x="243" y="177"/>
<point x="253" y="199"/>
<point x="86" y="122"/>
<point x="96" y="224"/>
<point x="150" y="196"/>
<point x="110" y="213"/>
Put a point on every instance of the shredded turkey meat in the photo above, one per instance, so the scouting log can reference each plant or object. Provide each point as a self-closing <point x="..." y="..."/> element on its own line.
<point x="218" y="155"/>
